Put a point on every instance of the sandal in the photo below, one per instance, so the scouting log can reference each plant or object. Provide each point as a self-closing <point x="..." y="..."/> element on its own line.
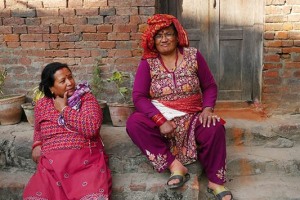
<point x="180" y="176"/>
<point x="220" y="192"/>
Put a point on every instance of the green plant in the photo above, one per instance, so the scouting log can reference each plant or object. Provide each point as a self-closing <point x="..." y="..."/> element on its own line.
<point x="97" y="82"/>
<point x="120" y="79"/>
<point x="2" y="79"/>
<point x="36" y="95"/>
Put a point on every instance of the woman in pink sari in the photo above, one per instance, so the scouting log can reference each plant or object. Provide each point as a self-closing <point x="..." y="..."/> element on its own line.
<point x="68" y="149"/>
<point x="174" y="95"/>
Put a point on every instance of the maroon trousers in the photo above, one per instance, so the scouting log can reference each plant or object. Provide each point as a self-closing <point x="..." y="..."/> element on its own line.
<point x="211" y="153"/>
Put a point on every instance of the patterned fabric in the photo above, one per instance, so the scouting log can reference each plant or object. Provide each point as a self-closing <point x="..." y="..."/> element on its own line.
<point x="183" y="83"/>
<point x="83" y="126"/>
<point x="73" y="164"/>
<point x="74" y="101"/>
<point x="155" y="24"/>
<point x="71" y="174"/>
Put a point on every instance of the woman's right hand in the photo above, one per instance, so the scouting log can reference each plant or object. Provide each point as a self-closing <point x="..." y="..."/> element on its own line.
<point x="167" y="129"/>
<point x="36" y="153"/>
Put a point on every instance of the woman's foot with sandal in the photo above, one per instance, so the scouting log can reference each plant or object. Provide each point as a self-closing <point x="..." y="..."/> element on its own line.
<point x="219" y="191"/>
<point x="179" y="175"/>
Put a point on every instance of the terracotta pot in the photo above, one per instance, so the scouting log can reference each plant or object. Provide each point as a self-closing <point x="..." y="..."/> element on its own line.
<point x="10" y="108"/>
<point x="102" y="103"/>
<point x="119" y="113"/>
<point x="29" y="112"/>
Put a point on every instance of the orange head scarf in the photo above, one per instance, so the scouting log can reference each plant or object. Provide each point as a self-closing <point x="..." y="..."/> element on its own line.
<point x="155" y="24"/>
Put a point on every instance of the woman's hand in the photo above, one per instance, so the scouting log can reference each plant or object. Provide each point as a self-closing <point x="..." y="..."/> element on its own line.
<point x="36" y="153"/>
<point x="167" y="129"/>
<point x="207" y="117"/>
<point x="61" y="102"/>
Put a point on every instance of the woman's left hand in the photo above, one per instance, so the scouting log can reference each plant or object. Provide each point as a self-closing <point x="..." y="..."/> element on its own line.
<point x="207" y="117"/>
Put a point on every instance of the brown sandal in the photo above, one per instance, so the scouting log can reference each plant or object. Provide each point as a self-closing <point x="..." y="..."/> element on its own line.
<point x="220" y="192"/>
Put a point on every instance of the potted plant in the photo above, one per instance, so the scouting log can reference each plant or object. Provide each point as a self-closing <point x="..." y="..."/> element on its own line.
<point x="28" y="108"/>
<point x="97" y="83"/>
<point x="10" y="105"/>
<point x="120" y="111"/>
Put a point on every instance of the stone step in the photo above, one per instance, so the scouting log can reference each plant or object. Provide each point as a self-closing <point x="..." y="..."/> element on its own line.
<point x="257" y="160"/>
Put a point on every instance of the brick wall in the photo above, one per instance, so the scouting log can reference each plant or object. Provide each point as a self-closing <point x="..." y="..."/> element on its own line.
<point x="77" y="32"/>
<point x="281" y="71"/>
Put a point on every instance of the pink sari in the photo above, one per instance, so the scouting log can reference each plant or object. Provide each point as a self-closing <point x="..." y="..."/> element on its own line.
<point x="71" y="174"/>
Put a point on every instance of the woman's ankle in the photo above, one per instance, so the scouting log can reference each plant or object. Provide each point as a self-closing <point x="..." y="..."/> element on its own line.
<point x="177" y="166"/>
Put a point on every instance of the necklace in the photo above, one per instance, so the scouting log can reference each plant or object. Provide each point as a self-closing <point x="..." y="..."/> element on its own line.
<point x="163" y="64"/>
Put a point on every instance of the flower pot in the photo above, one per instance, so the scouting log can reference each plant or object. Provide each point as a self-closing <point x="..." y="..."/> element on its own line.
<point x="10" y="108"/>
<point x="119" y="113"/>
<point x="102" y="103"/>
<point x="29" y="112"/>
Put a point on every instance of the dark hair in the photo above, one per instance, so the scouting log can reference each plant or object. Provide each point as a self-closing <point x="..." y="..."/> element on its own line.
<point x="47" y="77"/>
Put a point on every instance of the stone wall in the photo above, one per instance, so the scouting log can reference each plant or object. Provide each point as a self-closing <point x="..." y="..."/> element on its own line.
<point x="281" y="70"/>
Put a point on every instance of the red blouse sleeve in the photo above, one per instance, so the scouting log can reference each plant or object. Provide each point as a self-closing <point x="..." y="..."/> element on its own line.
<point x="87" y="120"/>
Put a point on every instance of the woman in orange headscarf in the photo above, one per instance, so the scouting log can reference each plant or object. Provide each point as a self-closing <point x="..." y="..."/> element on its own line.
<point x="174" y="95"/>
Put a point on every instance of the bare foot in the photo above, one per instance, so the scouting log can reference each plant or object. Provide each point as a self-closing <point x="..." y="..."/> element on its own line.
<point x="213" y="186"/>
<point x="176" y="166"/>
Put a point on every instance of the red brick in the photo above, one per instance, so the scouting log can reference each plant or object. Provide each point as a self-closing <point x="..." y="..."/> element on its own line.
<point x="47" y="12"/>
<point x="297" y="74"/>
<point x="72" y="37"/>
<point x="271" y="73"/>
<point x="56" y="53"/>
<point x="127" y="11"/>
<point x="294" y="17"/>
<point x="116" y="3"/>
<point x="38" y="29"/>
<point x="25" y="61"/>
<point x="117" y="19"/>
<point x="271" y="58"/>
<point x="143" y="3"/>
<point x="31" y="37"/>
<point x="295" y="35"/>
<point x="35" y="45"/>
<point x="50" y="37"/>
<point x="290" y="50"/>
<point x="119" y="53"/>
<point x="128" y="61"/>
<point x="275" y="18"/>
<point x="272" y="66"/>
<point x="287" y="74"/>
<point x="86" y="44"/>
<point x="35" y="4"/>
<point x="75" y="20"/>
<point x="292" y="64"/>
<point x="105" y="28"/>
<point x="11" y="38"/>
<point x="12" y="44"/>
<point x="87" y="11"/>
<point x="127" y="44"/>
<point x="272" y="81"/>
<point x="85" y="29"/>
<point x="149" y="11"/>
<point x="107" y="44"/>
<point x="124" y="28"/>
<point x="287" y="43"/>
<point x="118" y="36"/>
<point x="272" y="50"/>
<point x="54" y="4"/>
<point x="5" y="12"/>
<point x="75" y="4"/>
<point x="95" y="3"/>
<point x="62" y="45"/>
<point x="272" y="43"/>
<point x="13" y="21"/>
<point x="273" y="26"/>
<point x="135" y="19"/>
<point x="20" y="29"/>
<point x="52" y="20"/>
<point x="79" y="53"/>
<point x="296" y="57"/>
<point x="33" y="21"/>
<point x="67" y="12"/>
<point x="66" y="28"/>
<point x="287" y="26"/>
<point x="94" y="36"/>
<point x="136" y="36"/>
<point x="281" y="35"/>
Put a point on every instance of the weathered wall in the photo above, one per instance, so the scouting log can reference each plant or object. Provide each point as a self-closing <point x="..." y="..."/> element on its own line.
<point x="281" y="70"/>
<point x="78" y="32"/>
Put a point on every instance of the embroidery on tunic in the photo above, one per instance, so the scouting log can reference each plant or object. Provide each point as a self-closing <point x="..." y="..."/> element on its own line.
<point x="95" y="196"/>
<point x="159" y="161"/>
